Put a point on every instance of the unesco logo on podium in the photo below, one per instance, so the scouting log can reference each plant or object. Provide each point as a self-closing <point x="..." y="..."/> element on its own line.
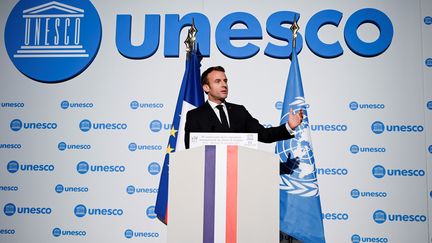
<point x="53" y="41"/>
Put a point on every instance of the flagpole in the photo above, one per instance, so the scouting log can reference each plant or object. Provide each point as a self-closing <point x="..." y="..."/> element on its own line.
<point x="294" y="29"/>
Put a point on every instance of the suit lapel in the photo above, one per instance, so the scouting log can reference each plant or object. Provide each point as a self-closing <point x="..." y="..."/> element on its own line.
<point x="213" y="122"/>
<point x="232" y="116"/>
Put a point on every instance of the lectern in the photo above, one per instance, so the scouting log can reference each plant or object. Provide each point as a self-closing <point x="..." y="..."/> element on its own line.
<point x="223" y="194"/>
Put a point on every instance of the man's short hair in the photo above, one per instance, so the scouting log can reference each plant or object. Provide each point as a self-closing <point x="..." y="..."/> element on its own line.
<point x="204" y="75"/>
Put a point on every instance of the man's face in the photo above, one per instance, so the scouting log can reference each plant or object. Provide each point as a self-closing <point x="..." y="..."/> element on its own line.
<point x="217" y="87"/>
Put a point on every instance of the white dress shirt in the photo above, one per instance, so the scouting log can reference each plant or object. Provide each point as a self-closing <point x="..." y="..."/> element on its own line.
<point x="216" y="110"/>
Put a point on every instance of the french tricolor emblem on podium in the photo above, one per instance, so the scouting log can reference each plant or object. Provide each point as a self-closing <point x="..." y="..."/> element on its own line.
<point x="223" y="193"/>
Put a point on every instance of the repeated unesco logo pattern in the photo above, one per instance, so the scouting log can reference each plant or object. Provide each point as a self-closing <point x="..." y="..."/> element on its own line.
<point x="380" y="171"/>
<point x="134" y="105"/>
<point x="53" y="41"/>
<point x="355" y="149"/>
<point x="130" y="234"/>
<point x="86" y="125"/>
<point x="134" y="147"/>
<point x="77" y="105"/>
<point x="355" y="193"/>
<point x="63" y="189"/>
<point x="379" y="127"/>
<point x="57" y="232"/>
<point x="62" y="146"/>
<point x="132" y="190"/>
<point x="13" y="167"/>
<point x="81" y="211"/>
<point x="10" y="209"/>
<point x="354" y="105"/>
<point x="357" y="239"/>
<point x="16" y="125"/>
<point x="83" y="167"/>
<point x="380" y="217"/>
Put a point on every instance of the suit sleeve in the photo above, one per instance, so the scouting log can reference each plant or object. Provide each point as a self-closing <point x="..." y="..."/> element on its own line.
<point x="187" y="130"/>
<point x="266" y="135"/>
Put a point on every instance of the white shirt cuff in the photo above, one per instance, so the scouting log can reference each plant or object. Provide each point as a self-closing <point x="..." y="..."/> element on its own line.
<point x="290" y="131"/>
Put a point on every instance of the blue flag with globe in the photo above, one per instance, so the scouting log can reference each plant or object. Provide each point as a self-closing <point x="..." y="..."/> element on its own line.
<point x="300" y="206"/>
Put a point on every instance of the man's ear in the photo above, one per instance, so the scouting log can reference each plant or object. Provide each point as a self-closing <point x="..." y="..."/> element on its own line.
<point x="206" y="88"/>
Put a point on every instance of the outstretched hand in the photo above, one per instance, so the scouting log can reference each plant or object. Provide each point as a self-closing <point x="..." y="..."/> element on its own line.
<point x="294" y="120"/>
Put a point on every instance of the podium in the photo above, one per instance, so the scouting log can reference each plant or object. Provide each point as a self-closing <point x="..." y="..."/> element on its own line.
<point x="223" y="194"/>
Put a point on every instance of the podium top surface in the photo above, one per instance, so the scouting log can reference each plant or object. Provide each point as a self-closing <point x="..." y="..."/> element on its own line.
<point x="249" y="140"/>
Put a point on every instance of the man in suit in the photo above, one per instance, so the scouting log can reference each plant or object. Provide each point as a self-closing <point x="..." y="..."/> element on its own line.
<point x="217" y="115"/>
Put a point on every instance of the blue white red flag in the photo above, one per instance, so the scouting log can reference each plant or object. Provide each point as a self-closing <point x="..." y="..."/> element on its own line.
<point x="191" y="95"/>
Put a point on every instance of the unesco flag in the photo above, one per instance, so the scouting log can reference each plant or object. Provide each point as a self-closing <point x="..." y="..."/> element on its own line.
<point x="191" y="96"/>
<point x="300" y="206"/>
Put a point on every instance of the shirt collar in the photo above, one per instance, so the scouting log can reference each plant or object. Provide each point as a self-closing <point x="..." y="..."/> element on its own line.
<point x="213" y="104"/>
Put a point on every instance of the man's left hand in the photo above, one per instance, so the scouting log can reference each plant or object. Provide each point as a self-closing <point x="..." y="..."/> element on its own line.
<point x="294" y="120"/>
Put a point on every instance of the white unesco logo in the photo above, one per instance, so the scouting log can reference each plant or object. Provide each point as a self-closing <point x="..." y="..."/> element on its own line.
<point x="61" y="46"/>
<point x="302" y="181"/>
<point x="53" y="41"/>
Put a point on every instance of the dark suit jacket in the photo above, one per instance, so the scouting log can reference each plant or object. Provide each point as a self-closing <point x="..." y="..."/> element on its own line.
<point x="204" y="119"/>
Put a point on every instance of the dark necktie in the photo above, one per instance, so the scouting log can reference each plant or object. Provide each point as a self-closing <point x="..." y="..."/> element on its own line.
<point x="223" y="117"/>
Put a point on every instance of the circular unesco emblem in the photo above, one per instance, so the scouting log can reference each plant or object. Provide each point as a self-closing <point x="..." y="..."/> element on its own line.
<point x="428" y="62"/>
<point x="429" y="105"/>
<point x="64" y="104"/>
<point x="59" y="188"/>
<point x="9" y="209"/>
<point x="428" y="20"/>
<point x="82" y="167"/>
<point x="151" y="212"/>
<point x="377" y="127"/>
<point x="155" y="126"/>
<point x="279" y="105"/>
<point x="378" y="171"/>
<point x="12" y="166"/>
<point x="354" y="149"/>
<point x="134" y="105"/>
<point x="132" y="147"/>
<point x="379" y="216"/>
<point x="85" y="125"/>
<point x="16" y="125"/>
<point x="154" y="168"/>
<point x="130" y="190"/>
<point x="353" y="105"/>
<point x="80" y="210"/>
<point x="61" y="146"/>
<point x="56" y="232"/>
<point x="355" y="239"/>
<point x="355" y="193"/>
<point x="128" y="233"/>
<point x="53" y="41"/>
